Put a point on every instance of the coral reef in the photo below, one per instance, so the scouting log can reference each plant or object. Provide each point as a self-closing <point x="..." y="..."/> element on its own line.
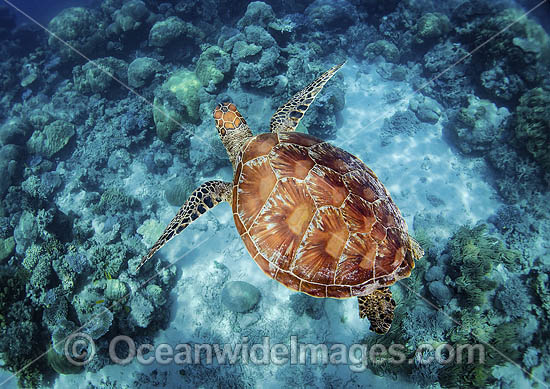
<point x="92" y="171"/>
<point x="212" y="65"/>
<point x="52" y="139"/>
<point x="479" y="126"/>
<point x="142" y="70"/>
<point x="101" y="75"/>
<point x="467" y="275"/>
<point x="382" y="47"/>
<point x="521" y="52"/>
<point x="176" y="102"/>
<point x="171" y="29"/>
<point x="431" y="27"/>
<point x="426" y="109"/>
<point x="532" y="125"/>
<point x="80" y="28"/>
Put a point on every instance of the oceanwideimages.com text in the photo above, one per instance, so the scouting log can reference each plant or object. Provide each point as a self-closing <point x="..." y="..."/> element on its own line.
<point x="123" y="350"/>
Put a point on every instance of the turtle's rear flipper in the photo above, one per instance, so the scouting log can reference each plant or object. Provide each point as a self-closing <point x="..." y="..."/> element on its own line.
<point x="289" y="114"/>
<point x="206" y="196"/>
<point x="378" y="307"/>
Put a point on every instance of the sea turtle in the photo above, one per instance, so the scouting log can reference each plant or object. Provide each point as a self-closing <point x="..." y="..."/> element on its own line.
<point x="313" y="217"/>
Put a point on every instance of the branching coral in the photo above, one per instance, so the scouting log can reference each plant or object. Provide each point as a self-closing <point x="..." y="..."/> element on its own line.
<point x="20" y="340"/>
<point x="532" y="125"/>
<point x="473" y="255"/>
<point x="114" y="200"/>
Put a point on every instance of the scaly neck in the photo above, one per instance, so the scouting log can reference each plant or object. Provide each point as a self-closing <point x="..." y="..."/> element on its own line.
<point x="234" y="142"/>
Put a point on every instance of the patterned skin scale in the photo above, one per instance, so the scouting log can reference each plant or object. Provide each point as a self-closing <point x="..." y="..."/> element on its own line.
<point x="316" y="219"/>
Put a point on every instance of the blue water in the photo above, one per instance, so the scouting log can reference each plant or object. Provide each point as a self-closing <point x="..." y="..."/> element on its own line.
<point x="106" y="130"/>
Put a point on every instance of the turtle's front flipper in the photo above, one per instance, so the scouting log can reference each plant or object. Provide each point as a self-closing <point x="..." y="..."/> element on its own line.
<point x="289" y="115"/>
<point x="206" y="196"/>
<point x="378" y="307"/>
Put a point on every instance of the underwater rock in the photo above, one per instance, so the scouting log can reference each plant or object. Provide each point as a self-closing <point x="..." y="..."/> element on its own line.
<point x="516" y="51"/>
<point x="142" y="70"/>
<point x="41" y="272"/>
<point x="328" y="15"/>
<point x="141" y="310"/>
<point x="241" y="50"/>
<point x="178" y="190"/>
<point x="386" y="49"/>
<point x="471" y="9"/>
<point x="251" y="71"/>
<point x="150" y="230"/>
<point x="28" y="74"/>
<point x="7" y="246"/>
<point x="79" y="27"/>
<point x="158" y="161"/>
<point x="63" y="329"/>
<point x="400" y="123"/>
<point x="425" y="108"/>
<point x="532" y="125"/>
<point x="176" y="101"/>
<point x="434" y="273"/>
<point x="431" y="27"/>
<point x="115" y="289"/>
<point x="211" y="160"/>
<point x="479" y="126"/>
<point x="390" y="71"/>
<point x="257" y="13"/>
<point x="531" y="358"/>
<point x="240" y="296"/>
<point x="156" y="295"/>
<point x="119" y="160"/>
<point x="9" y="165"/>
<point x="77" y="262"/>
<point x="441" y="292"/>
<point x="212" y="65"/>
<point x="166" y="31"/>
<point x="513" y="297"/>
<point x="52" y="139"/>
<point x="447" y="66"/>
<point x="98" y="322"/>
<point x="14" y="131"/>
<point x="113" y="200"/>
<point x="259" y="36"/>
<point x="97" y="77"/>
<point x="322" y="119"/>
<point x="131" y="16"/>
<point x="501" y="84"/>
<point x="26" y="232"/>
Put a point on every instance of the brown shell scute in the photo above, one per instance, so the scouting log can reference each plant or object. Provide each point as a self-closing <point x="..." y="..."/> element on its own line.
<point x="326" y="186"/>
<point x="254" y="188"/>
<point x="316" y="219"/>
<point x="321" y="248"/>
<point x="290" y="160"/>
<point x="280" y="226"/>
<point x="261" y="145"/>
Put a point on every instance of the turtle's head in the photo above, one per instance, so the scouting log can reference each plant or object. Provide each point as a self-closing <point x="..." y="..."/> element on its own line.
<point x="232" y="128"/>
<point x="228" y="119"/>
